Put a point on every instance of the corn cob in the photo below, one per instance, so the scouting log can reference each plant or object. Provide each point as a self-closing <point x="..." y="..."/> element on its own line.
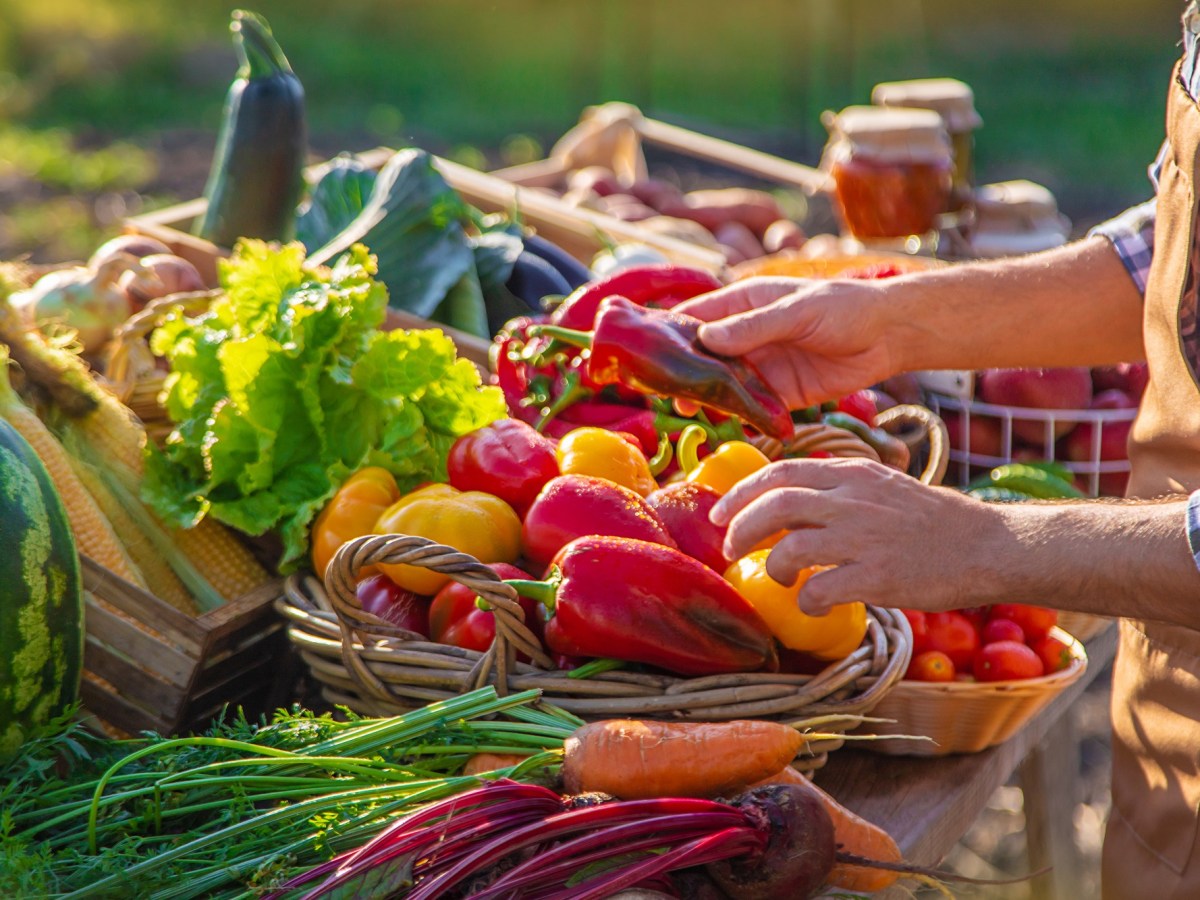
<point x="161" y="580"/>
<point x="227" y="563"/>
<point x="94" y="535"/>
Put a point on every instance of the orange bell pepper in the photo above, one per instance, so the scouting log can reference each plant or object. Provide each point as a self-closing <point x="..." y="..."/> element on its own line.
<point x="470" y="521"/>
<point x="352" y="512"/>
<point x="605" y="454"/>
<point x="834" y="635"/>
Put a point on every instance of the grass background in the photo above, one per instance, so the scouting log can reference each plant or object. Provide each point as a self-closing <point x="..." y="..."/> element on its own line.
<point x="111" y="106"/>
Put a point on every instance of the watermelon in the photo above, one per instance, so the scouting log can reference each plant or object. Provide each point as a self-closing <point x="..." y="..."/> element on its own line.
<point x="41" y="597"/>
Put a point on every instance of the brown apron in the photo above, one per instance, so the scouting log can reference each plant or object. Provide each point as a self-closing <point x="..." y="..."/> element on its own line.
<point x="1152" y="846"/>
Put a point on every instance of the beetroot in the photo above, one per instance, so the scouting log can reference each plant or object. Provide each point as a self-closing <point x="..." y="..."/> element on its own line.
<point x="800" y="851"/>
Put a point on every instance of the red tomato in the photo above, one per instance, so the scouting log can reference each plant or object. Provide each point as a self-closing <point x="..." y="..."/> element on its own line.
<point x="977" y="615"/>
<point x="382" y="597"/>
<point x="1006" y="661"/>
<point x="455" y="619"/>
<point x="1035" y="621"/>
<point x="1002" y="630"/>
<point x="932" y="665"/>
<point x="1055" y="654"/>
<point x="860" y="405"/>
<point x="920" y="628"/>
<point x="954" y="635"/>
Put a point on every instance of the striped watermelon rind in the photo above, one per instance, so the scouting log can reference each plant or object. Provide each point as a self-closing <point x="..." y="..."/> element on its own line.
<point x="41" y="597"/>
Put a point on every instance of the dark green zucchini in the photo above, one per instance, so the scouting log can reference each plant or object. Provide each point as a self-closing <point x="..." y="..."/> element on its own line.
<point x="257" y="173"/>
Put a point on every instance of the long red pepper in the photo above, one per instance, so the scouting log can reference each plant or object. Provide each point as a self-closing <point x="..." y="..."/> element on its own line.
<point x="660" y="285"/>
<point x="659" y="352"/>
<point x="641" y="602"/>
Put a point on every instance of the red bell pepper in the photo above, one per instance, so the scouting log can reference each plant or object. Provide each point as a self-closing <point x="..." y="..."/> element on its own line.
<point x="658" y="285"/>
<point x="642" y="602"/>
<point x="508" y="459"/>
<point x="684" y="507"/>
<point x="456" y="619"/>
<point x="659" y="352"/>
<point x="571" y="506"/>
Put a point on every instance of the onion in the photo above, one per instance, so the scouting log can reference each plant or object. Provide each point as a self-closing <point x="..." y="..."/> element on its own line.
<point x="160" y="274"/>
<point x="87" y="301"/>
<point x="135" y="245"/>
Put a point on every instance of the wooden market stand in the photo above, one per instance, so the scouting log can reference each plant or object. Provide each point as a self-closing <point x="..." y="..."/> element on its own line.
<point x="928" y="803"/>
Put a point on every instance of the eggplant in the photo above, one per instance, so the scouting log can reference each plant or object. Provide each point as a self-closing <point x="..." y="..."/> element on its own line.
<point x="533" y="278"/>
<point x="571" y="269"/>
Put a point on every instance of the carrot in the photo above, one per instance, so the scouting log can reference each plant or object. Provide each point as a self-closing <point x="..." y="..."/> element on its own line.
<point x="636" y="760"/>
<point x="490" y="762"/>
<point x="853" y="834"/>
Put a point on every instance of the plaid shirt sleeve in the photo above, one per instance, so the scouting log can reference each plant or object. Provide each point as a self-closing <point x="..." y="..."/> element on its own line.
<point x="1132" y="232"/>
<point x="1193" y="525"/>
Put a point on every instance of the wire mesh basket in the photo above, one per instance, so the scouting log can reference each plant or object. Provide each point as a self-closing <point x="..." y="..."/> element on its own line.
<point x="1094" y="475"/>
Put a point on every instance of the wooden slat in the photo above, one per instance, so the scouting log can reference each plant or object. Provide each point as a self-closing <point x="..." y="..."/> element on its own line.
<point x="106" y="628"/>
<point x="547" y="173"/>
<point x="236" y="616"/>
<point x="734" y="156"/>
<point x="120" y="712"/>
<point x="137" y="686"/>
<point x="175" y="627"/>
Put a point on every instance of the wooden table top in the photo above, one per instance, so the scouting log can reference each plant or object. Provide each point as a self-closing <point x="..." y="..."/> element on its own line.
<point x="928" y="803"/>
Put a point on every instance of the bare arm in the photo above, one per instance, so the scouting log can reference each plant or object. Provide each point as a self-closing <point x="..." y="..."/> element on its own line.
<point x="1075" y="305"/>
<point x="816" y="340"/>
<point x="897" y="542"/>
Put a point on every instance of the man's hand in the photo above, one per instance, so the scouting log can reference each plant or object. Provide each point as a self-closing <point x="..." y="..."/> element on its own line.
<point x="894" y="540"/>
<point x="812" y="340"/>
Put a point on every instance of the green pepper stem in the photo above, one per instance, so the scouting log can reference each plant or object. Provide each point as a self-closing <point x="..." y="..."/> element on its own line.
<point x="573" y="392"/>
<point x="572" y="336"/>
<point x="661" y="459"/>
<point x="544" y="592"/>
<point x="687" y="445"/>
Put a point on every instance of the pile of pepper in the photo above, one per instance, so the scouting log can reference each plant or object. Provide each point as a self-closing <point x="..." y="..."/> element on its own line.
<point x="592" y="500"/>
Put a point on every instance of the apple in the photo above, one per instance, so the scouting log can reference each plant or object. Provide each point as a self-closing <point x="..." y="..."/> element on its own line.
<point x="983" y="436"/>
<point x="1128" y="377"/>
<point x="1068" y="387"/>
<point x="1114" y="440"/>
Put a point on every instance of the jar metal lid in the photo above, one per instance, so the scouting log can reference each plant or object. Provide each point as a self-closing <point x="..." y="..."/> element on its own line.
<point x="890" y="134"/>
<point x="952" y="99"/>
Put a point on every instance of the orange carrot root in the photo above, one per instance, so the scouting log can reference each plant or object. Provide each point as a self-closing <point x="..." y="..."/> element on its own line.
<point x="490" y="762"/>
<point x="636" y="760"/>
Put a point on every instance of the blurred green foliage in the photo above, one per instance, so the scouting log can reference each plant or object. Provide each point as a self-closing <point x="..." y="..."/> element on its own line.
<point x="1071" y="92"/>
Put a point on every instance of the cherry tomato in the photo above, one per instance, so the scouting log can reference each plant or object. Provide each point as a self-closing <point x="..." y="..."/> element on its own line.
<point x="455" y="619"/>
<point x="382" y="597"/>
<point x="954" y="635"/>
<point x="1002" y="630"/>
<point x="860" y="405"/>
<point x="1035" y="621"/>
<point x="1055" y="654"/>
<point x="932" y="665"/>
<point x="1006" y="661"/>
<point x="920" y="628"/>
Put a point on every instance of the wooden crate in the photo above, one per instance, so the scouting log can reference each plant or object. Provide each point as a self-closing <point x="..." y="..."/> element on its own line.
<point x="150" y="666"/>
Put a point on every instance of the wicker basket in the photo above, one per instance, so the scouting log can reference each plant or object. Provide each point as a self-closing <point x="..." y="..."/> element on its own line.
<point x="967" y="716"/>
<point x="375" y="668"/>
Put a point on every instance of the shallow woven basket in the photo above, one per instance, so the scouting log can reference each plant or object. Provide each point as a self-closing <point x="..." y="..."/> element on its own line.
<point x="967" y="716"/>
<point x="375" y="668"/>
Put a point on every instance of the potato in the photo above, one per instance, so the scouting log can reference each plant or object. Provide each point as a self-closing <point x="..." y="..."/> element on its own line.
<point x="783" y="234"/>
<point x="737" y="235"/>
<point x="754" y="209"/>
<point x="595" y="178"/>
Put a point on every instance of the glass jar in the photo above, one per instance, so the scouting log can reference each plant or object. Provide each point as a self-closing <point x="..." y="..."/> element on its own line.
<point x="954" y="101"/>
<point x="891" y="169"/>
<point x="1016" y="217"/>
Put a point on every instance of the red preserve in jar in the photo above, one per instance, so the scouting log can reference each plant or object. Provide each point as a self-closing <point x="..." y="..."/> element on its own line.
<point x="892" y="170"/>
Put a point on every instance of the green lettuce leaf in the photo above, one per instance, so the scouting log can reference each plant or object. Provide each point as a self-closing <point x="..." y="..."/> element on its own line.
<point x="287" y="385"/>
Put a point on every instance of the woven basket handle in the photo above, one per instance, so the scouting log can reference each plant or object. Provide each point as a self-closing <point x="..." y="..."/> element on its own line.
<point x="341" y="578"/>
<point x="908" y="414"/>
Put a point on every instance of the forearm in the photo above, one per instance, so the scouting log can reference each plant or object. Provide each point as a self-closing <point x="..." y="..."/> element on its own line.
<point x="1106" y="558"/>
<point x="1075" y="305"/>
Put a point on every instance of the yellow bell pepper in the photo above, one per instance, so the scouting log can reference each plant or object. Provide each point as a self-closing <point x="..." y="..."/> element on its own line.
<point x="834" y="635"/>
<point x="605" y="454"/>
<point x="470" y="521"/>
<point x="352" y="512"/>
<point x="724" y="467"/>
